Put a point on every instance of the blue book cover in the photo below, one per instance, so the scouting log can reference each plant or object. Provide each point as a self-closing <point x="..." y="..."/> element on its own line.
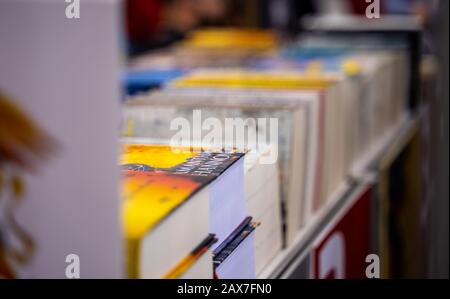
<point x="135" y="81"/>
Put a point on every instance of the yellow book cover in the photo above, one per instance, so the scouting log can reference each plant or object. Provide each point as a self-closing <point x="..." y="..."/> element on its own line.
<point x="216" y="38"/>
<point x="256" y="79"/>
<point x="156" y="179"/>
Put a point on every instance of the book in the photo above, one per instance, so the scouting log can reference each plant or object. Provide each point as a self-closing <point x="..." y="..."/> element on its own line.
<point x="298" y="115"/>
<point x="162" y="189"/>
<point x="382" y="76"/>
<point x="389" y="32"/>
<point x="136" y="81"/>
<point x="231" y="38"/>
<point x="339" y="94"/>
<point x="210" y="47"/>
<point x="262" y="197"/>
<point x="197" y="264"/>
<point x="352" y="102"/>
<point x="371" y="91"/>
<point x="235" y="259"/>
<point x="262" y="200"/>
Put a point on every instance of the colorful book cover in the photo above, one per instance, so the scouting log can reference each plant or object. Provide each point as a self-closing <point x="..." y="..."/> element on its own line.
<point x="157" y="179"/>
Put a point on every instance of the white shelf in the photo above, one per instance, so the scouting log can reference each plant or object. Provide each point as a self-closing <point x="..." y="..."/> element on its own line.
<point x="389" y="144"/>
<point x="352" y="23"/>
<point x="396" y="135"/>
<point x="282" y="260"/>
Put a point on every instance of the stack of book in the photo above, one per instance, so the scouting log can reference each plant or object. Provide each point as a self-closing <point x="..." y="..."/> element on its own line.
<point x="186" y="212"/>
<point x="309" y="111"/>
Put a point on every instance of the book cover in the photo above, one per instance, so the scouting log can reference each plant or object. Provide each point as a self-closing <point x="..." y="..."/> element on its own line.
<point x="235" y="257"/>
<point x="157" y="179"/>
<point x="256" y="79"/>
<point x="231" y="38"/>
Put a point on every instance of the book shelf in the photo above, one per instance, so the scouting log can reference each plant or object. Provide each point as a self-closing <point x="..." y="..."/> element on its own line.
<point x="386" y="149"/>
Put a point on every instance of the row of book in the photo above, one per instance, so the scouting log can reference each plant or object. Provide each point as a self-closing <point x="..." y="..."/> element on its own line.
<point x="178" y="204"/>
<point x="196" y="206"/>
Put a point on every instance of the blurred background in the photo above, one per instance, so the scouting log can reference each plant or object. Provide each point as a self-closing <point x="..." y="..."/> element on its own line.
<point x="152" y="24"/>
<point x="156" y="26"/>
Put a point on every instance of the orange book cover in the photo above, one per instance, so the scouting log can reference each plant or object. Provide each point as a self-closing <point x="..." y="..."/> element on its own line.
<point x="156" y="179"/>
